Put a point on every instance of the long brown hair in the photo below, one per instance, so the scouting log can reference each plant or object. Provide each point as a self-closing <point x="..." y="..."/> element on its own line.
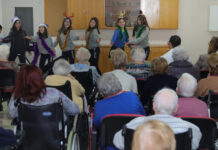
<point x="29" y="84"/>
<point x="213" y="45"/>
<point x="62" y="29"/>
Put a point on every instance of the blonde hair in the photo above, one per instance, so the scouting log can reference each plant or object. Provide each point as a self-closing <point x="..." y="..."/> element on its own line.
<point x="159" y="66"/>
<point x="83" y="55"/>
<point x="118" y="58"/>
<point x="213" y="45"/>
<point x="154" y="135"/>
<point x="4" y="51"/>
<point x="213" y="63"/>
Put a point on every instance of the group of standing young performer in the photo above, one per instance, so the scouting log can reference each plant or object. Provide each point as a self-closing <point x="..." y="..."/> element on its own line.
<point x="45" y="47"/>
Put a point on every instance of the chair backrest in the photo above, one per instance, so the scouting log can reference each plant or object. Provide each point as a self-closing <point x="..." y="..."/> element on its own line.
<point x="7" y="77"/>
<point x="140" y="84"/>
<point x="86" y="80"/>
<point x="66" y="89"/>
<point x="183" y="140"/>
<point x="208" y="129"/>
<point x="111" y="124"/>
<point x="43" y="126"/>
<point x="212" y="103"/>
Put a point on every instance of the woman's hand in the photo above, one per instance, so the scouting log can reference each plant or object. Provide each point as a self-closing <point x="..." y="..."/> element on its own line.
<point x="28" y="37"/>
<point x="98" y="40"/>
<point x="82" y="37"/>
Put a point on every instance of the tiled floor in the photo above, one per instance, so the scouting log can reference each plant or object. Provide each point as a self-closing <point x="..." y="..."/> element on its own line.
<point x="5" y="118"/>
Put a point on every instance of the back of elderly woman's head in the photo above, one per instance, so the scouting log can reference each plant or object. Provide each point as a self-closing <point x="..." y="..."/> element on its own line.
<point x="186" y="85"/>
<point x="83" y="55"/>
<point x="118" y="58"/>
<point x="61" y="67"/>
<point x="213" y="63"/>
<point x="159" y="65"/>
<point x="138" y="54"/>
<point x="179" y="53"/>
<point x="108" y="84"/>
<point x="4" y="51"/>
<point x="213" y="45"/>
<point x="154" y="135"/>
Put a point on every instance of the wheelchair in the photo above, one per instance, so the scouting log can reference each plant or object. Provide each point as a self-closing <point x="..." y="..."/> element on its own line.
<point x="45" y="128"/>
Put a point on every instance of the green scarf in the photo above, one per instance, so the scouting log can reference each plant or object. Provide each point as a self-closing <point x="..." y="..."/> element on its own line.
<point x="121" y="33"/>
<point x="140" y="30"/>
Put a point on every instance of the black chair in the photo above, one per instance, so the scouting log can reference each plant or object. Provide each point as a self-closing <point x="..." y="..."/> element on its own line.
<point x="7" y="79"/>
<point x="110" y="125"/>
<point x="41" y="127"/>
<point x="208" y="129"/>
<point x="86" y="80"/>
<point x="183" y="140"/>
<point x="140" y="85"/>
<point x="66" y="89"/>
<point x="212" y="102"/>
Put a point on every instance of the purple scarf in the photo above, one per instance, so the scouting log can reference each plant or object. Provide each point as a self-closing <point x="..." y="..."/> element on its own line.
<point x="36" y="50"/>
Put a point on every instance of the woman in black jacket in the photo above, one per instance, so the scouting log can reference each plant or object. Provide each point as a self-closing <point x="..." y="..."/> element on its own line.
<point x="19" y="44"/>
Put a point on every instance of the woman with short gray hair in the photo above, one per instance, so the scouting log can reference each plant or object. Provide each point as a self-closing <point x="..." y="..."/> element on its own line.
<point x="181" y="65"/>
<point x="115" y="100"/>
<point x="139" y="67"/>
<point x="83" y="55"/>
<point x="62" y="74"/>
<point x="119" y="61"/>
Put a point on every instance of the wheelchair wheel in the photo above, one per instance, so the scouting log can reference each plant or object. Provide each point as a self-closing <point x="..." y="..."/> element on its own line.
<point x="75" y="142"/>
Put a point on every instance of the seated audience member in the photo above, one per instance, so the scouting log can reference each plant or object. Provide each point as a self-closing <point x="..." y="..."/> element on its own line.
<point x="83" y="55"/>
<point x="115" y="100"/>
<point x="154" y="135"/>
<point x="212" y="48"/>
<point x="159" y="78"/>
<point x="211" y="82"/>
<point x="4" y="54"/>
<point x="165" y="104"/>
<point x="181" y="65"/>
<point x="139" y="68"/>
<point x="119" y="61"/>
<point x="62" y="71"/>
<point x="30" y="89"/>
<point x="174" y="43"/>
<point x="188" y="104"/>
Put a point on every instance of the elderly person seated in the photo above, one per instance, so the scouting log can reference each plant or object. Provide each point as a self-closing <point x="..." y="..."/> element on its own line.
<point x="181" y="64"/>
<point x="139" y="68"/>
<point x="188" y="104"/>
<point x="4" y="53"/>
<point x="62" y="74"/>
<point x="212" y="48"/>
<point x="211" y="82"/>
<point x="119" y="61"/>
<point x="30" y="89"/>
<point x="115" y="100"/>
<point x="159" y="79"/>
<point x="165" y="104"/>
<point x="154" y="135"/>
<point x="83" y="55"/>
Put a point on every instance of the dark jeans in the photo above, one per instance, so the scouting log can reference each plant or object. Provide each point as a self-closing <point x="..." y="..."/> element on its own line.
<point x="13" y="56"/>
<point x="43" y="59"/>
<point x="147" y="52"/>
<point x="68" y="55"/>
<point x="95" y="52"/>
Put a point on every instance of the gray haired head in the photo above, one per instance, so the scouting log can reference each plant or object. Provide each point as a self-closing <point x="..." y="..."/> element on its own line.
<point x="179" y="53"/>
<point x="166" y="101"/>
<point x="108" y="84"/>
<point x="61" y="67"/>
<point x="138" y="54"/>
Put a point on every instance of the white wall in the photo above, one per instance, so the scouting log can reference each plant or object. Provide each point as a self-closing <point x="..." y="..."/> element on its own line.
<point x="193" y="23"/>
<point x="1" y="13"/>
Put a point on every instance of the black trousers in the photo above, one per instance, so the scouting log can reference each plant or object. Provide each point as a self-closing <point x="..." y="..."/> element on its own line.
<point x="43" y="59"/>
<point x="13" y="56"/>
<point x="147" y="52"/>
<point x="95" y="52"/>
<point x="68" y="55"/>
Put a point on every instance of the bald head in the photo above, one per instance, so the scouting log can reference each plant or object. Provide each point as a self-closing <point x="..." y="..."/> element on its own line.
<point x="165" y="101"/>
